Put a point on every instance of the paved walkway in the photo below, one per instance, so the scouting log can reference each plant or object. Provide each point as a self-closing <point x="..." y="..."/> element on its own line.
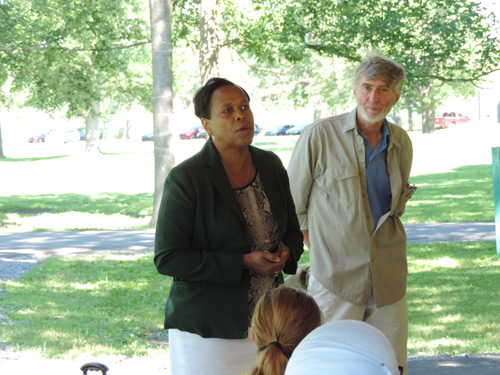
<point x="23" y="249"/>
<point x="63" y="243"/>
<point x="487" y="364"/>
<point x="450" y="232"/>
<point x="59" y="243"/>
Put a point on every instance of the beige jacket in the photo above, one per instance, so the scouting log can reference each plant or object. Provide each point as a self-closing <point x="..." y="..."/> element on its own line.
<point x="328" y="184"/>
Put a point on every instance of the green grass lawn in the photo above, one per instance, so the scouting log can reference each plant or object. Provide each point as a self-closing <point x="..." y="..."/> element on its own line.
<point x="453" y="298"/>
<point x="48" y="212"/>
<point x="462" y="195"/>
<point x="103" y="304"/>
<point x="113" y="304"/>
<point x="88" y="305"/>
<point x="114" y="190"/>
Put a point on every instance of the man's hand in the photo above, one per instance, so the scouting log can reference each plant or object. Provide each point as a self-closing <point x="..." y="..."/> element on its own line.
<point x="306" y="238"/>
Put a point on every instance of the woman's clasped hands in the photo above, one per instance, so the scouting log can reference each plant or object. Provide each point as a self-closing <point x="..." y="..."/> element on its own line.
<point x="267" y="263"/>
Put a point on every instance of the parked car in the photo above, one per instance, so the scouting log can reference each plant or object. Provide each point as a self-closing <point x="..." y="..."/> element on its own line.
<point x="202" y="133"/>
<point x="193" y="133"/>
<point x="39" y="138"/>
<point x="82" y="132"/>
<point x="147" y="137"/>
<point x="449" y="118"/>
<point x="279" y="130"/>
<point x="296" y="130"/>
<point x="256" y="129"/>
<point x="62" y="136"/>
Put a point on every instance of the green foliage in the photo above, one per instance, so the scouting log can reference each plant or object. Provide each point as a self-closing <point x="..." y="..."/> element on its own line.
<point x="298" y="84"/>
<point x="441" y="39"/>
<point x="187" y="73"/>
<point x="438" y="42"/>
<point x="305" y="258"/>
<point x="304" y="51"/>
<point x="88" y="305"/>
<point x="68" y="53"/>
<point x="281" y="82"/>
<point x="186" y="17"/>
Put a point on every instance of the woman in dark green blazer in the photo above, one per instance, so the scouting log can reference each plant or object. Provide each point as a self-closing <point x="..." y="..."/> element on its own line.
<point x="226" y="231"/>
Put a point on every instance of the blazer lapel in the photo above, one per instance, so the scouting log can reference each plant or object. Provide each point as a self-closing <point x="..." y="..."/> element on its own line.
<point x="215" y="172"/>
<point x="268" y="177"/>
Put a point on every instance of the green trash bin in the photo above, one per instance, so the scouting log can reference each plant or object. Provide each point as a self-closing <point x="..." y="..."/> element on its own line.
<point x="496" y="192"/>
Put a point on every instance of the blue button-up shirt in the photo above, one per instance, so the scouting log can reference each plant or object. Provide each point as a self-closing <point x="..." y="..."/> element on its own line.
<point x="377" y="177"/>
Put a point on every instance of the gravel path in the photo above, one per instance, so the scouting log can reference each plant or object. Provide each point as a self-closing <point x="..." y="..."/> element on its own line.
<point x="15" y="267"/>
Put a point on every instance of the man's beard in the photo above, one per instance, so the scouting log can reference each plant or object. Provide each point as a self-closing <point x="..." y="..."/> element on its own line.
<point x="372" y="118"/>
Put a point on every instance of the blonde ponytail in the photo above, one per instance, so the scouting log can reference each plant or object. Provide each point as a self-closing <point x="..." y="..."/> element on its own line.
<point x="282" y="318"/>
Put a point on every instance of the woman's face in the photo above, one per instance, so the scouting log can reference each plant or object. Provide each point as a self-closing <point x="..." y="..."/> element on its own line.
<point x="231" y="119"/>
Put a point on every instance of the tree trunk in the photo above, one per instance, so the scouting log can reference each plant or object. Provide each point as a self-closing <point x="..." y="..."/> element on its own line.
<point x="92" y="134"/>
<point x="317" y="114"/>
<point x="161" y="37"/>
<point x="128" y="124"/>
<point x="428" y="109"/>
<point x="2" y="156"/>
<point x="409" y="108"/>
<point x="428" y="119"/>
<point x="209" y="41"/>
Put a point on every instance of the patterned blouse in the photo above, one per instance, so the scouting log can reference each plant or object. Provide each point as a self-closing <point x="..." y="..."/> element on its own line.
<point x="260" y="220"/>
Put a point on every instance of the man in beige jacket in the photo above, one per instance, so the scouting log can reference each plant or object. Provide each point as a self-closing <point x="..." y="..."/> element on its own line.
<point x="349" y="176"/>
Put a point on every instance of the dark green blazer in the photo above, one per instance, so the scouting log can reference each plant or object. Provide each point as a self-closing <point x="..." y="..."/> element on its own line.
<point x="201" y="237"/>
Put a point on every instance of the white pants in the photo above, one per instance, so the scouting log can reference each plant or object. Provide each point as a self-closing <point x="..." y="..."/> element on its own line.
<point x="191" y="354"/>
<point x="391" y="320"/>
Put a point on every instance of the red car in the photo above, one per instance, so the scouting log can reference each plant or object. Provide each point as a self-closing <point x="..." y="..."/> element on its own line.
<point x="449" y="118"/>
<point x="193" y="133"/>
<point x="40" y="138"/>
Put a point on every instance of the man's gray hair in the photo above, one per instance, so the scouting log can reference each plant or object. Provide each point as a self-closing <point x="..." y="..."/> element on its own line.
<point x="374" y="67"/>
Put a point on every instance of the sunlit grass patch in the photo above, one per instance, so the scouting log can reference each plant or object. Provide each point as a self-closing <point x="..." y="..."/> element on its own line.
<point x="453" y="299"/>
<point x="464" y="194"/>
<point x="54" y="212"/>
<point x="113" y="304"/>
<point x="97" y="304"/>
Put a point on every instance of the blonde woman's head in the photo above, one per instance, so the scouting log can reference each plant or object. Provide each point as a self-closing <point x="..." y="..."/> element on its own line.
<point x="282" y="318"/>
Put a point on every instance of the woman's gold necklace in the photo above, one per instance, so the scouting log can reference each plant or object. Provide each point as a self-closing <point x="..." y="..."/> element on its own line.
<point x="234" y="180"/>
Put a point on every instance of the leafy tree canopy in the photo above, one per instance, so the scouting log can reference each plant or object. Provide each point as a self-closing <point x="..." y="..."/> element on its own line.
<point x="446" y="46"/>
<point x="70" y="52"/>
<point x="443" y="40"/>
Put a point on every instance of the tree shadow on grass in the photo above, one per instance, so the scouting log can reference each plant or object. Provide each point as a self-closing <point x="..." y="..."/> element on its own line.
<point x="91" y="305"/>
<point x="25" y="206"/>
<point x="133" y="205"/>
<point x="453" y="298"/>
<point x="462" y="195"/>
<point x="14" y="160"/>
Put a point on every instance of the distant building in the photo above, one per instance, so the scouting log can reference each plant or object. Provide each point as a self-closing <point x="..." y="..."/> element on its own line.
<point x="488" y="99"/>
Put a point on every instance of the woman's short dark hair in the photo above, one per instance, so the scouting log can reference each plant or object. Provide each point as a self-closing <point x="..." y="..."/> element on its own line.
<point x="201" y="99"/>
